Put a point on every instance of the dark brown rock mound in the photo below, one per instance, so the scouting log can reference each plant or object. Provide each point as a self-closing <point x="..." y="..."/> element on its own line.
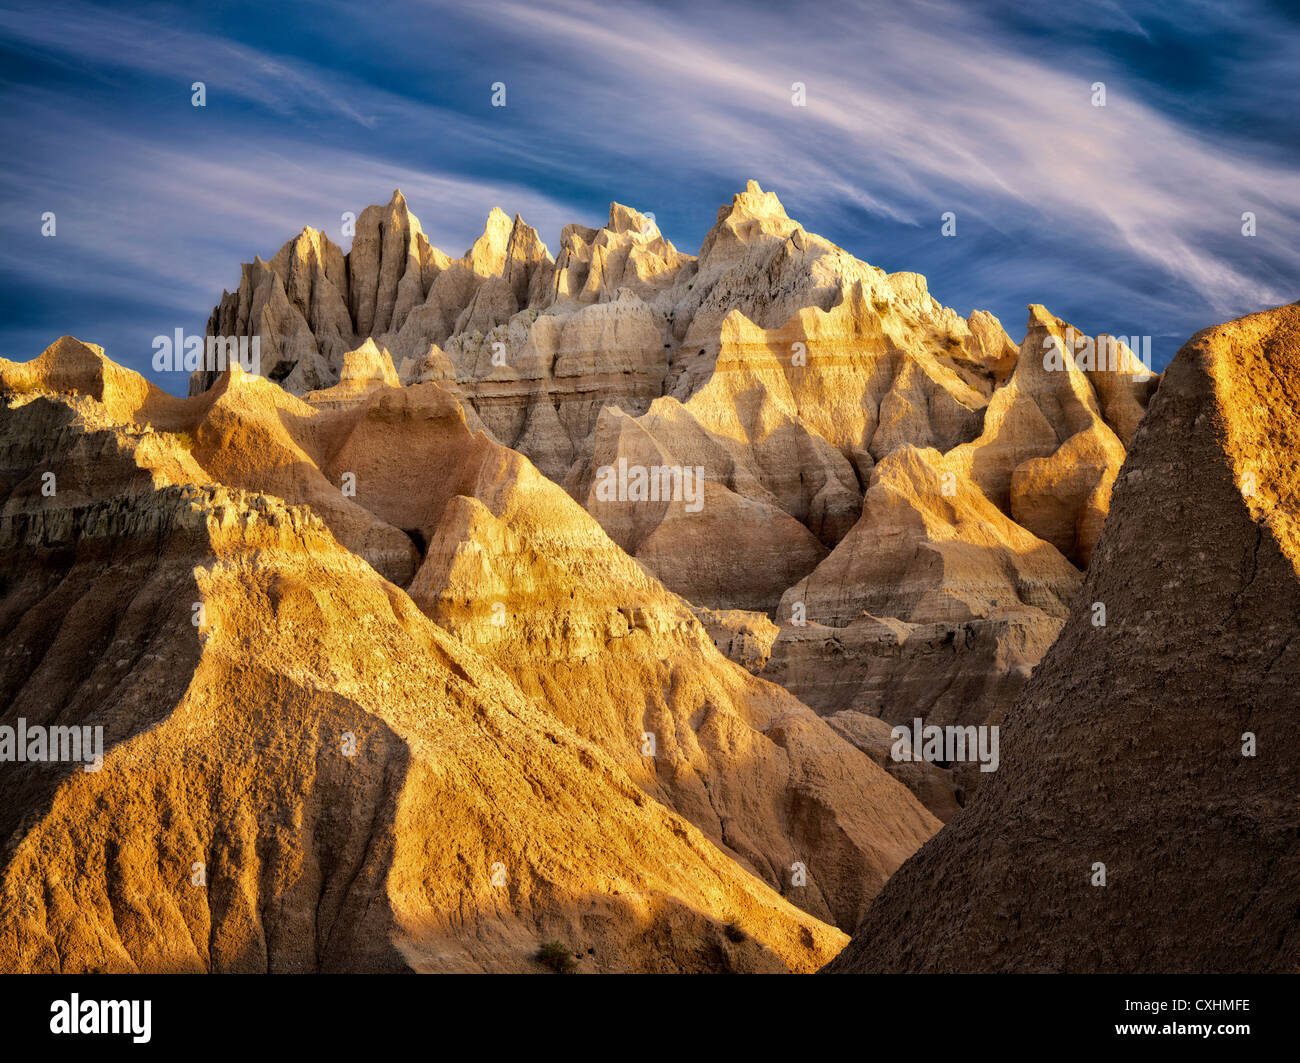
<point x="1126" y="747"/>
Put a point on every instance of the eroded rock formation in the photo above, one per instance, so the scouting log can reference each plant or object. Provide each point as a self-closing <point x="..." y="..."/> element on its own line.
<point x="1144" y="814"/>
<point x="924" y="493"/>
<point x="616" y="566"/>
<point x="252" y="625"/>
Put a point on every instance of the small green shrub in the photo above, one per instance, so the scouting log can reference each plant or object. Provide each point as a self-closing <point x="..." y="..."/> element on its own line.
<point x="557" y="956"/>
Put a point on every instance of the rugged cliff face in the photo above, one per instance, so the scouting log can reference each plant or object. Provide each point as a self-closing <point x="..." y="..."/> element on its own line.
<point x="941" y="599"/>
<point x="350" y="769"/>
<point x="396" y="669"/>
<point x="906" y="495"/>
<point x="1149" y="768"/>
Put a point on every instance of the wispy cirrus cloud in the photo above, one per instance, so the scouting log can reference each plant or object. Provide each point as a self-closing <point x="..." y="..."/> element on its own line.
<point x="111" y="39"/>
<point x="1125" y="218"/>
<point x="935" y="109"/>
<point x="180" y="222"/>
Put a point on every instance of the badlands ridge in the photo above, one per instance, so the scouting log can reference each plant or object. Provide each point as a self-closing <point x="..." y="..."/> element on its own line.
<point x="388" y="682"/>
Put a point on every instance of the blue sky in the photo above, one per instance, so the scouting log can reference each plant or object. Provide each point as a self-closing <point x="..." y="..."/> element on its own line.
<point x="1124" y="218"/>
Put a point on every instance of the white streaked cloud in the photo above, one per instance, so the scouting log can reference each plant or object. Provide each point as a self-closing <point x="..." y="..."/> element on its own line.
<point x="912" y="110"/>
<point x="914" y="114"/>
<point x="104" y="39"/>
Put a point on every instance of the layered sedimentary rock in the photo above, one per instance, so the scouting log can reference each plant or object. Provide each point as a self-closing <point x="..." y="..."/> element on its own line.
<point x="618" y="319"/>
<point x="1149" y="768"/>
<point x="935" y="605"/>
<point x="820" y="365"/>
<point x="536" y="706"/>
<point x="961" y="570"/>
<point x="363" y="370"/>
<point x="744" y="636"/>
<point x="774" y="423"/>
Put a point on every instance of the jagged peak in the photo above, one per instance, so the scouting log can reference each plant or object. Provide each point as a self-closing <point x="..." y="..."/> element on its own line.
<point x="754" y="202"/>
<point x="526" y="243"/>
<point x="397" y="207"/>
<point x="752" y="215"/>
<point x="1041" y="317"/>
<point x="1045" y="332"/>
<point x="574" y="232"/>
<point x="623" y="219"/>
<point x="395" y="212"/>
<point x="504" y="240"/>
<point x="490" y="247"/>
<point x="310" y="245"/>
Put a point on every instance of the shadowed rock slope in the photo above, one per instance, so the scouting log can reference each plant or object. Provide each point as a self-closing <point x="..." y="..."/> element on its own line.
<point x="1129" y="745"/>
<point x="197" y="583"/>
<point x="922" y="491"/>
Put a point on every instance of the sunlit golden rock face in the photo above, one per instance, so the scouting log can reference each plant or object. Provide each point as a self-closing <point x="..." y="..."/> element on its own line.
<point x="364" y="714"/>
<point x="364" y="370"/>
<point x="397" y="662"/>
<point x="826" y="407"/>
<point x="957" y="577"/>
<point x="1151" y="764"/>
<point x="780" y="363"/>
